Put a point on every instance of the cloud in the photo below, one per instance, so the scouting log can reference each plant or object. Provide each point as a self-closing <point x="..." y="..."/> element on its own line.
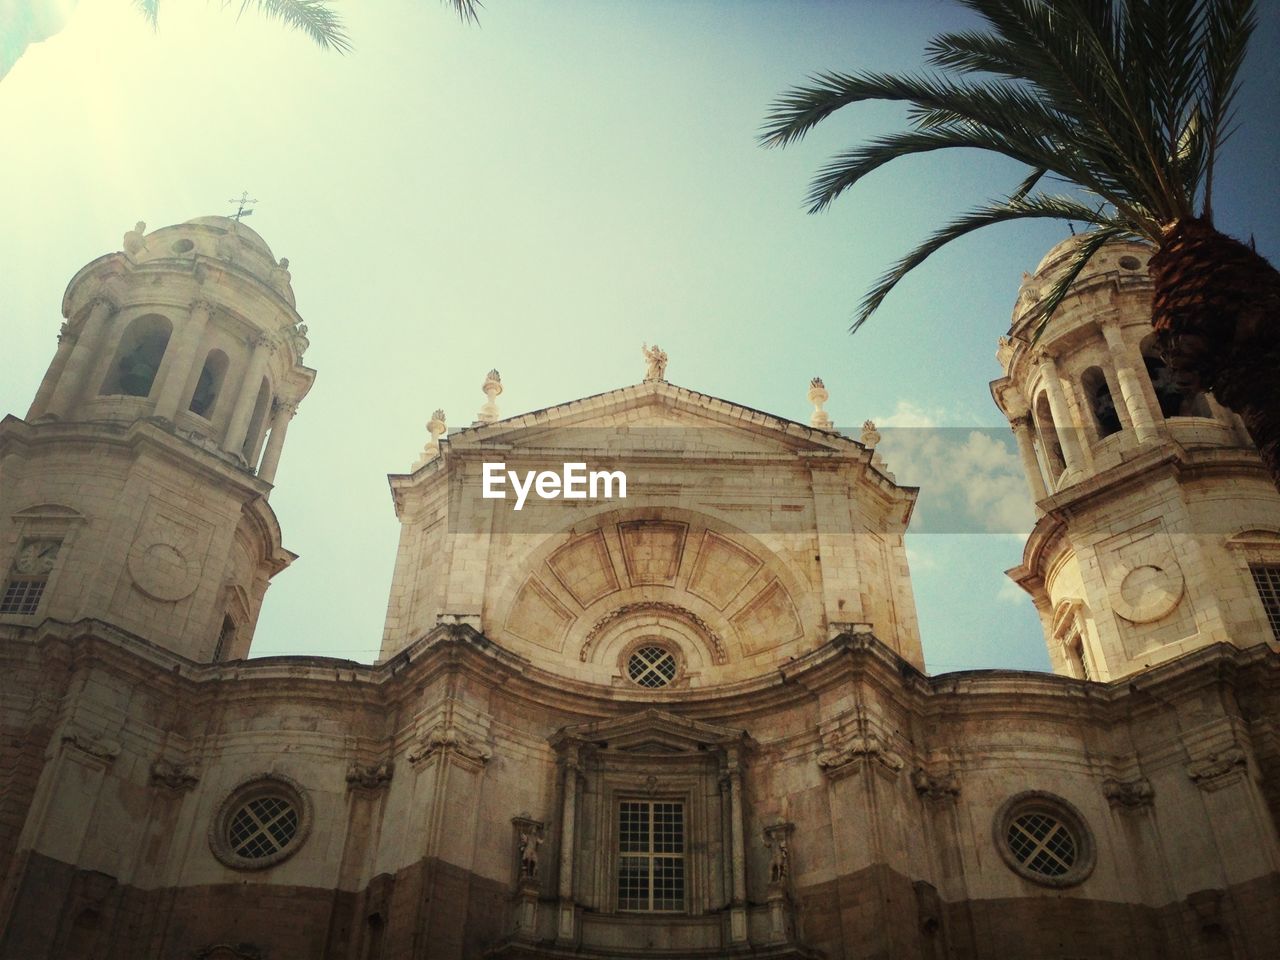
<point x="908" y="414"/>
<point x="1010" y="593"/>
<point x="970" y="478"/>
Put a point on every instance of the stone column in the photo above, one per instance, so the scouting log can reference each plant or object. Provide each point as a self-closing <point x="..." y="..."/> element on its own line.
<point x="1131" y="393"/>
<point x="279" y="423"/>
<point x="177" y="372"/>
<point x="66" y="343"/>
<point x="1068" y="434"/>
<point x="738" y="857"/>
<point x="260" y="351"/>
<point x="87" y="343"/>
<point x="566" y="919"/>
<point x="1021" y="427"/>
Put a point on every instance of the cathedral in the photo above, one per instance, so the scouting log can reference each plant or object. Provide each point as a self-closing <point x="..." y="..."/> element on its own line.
<point x="681" y="713"/>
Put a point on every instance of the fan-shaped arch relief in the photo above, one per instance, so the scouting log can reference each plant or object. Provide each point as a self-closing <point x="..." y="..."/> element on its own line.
<point x="716" y="596"/>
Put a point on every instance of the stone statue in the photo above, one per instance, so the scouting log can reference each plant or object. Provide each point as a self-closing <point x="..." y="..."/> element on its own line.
<point x="134" y="240"/>
<point x="655" y="359"/>
<point x="529" y="844"/>
<point x="282" y="280"/>
<point x="780" y="861"/>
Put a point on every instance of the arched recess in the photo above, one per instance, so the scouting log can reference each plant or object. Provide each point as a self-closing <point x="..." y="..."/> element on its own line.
<point x="1101" y="405"/>
<point x="209" y="386"/>
<point x="257" y="431"/>
<point x="231" y="642"/>
<point x="1068" y="629"/>
<point x="1053" y="462"/>
<point x="1174" y="398"/>
<point x="677" y="577"/>
<point x="138" y="356"/>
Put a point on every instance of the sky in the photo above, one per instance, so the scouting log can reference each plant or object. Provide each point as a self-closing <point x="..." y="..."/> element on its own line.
<point x="541" y="194"/>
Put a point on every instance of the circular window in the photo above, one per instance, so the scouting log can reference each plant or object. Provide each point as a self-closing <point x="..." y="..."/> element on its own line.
<point x="1044" y="838"/>
<point x="1130" y="263"/>
<point x="652" y="666"/>
<point x="183" y="246"/>
<point x="262" y="822"/>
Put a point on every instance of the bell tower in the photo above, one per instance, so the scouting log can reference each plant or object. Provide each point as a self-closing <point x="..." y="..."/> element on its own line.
<point x="136" y="490"/>
<point x="1158" y="530"/>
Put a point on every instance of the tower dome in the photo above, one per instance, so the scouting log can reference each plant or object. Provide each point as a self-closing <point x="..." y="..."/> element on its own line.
<point x="1134" y="543"/>
<point x="152" y="443"/>
<point x="192" y="324"/>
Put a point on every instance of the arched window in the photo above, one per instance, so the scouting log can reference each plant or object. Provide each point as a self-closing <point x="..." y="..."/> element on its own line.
<point x="1174" y="398"/>
<point x="209" y="384"/>
<point x="257" y="424"/>
<point x="1094" y="383"/>
<point x="133" y="371"/>
<point x="226" y="638"/>
<point x="1050" y="447"/>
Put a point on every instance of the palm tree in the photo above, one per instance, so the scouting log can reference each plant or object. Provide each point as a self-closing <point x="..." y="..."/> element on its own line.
<point x="1126" y="103"/>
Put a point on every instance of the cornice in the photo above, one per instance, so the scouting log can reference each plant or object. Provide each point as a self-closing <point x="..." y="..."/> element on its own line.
<point x="859" y="659"/>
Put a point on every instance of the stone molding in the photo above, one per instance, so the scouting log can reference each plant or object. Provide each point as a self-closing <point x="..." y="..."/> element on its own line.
<point x="846" y="754"/>
<point x="369" y="776"/>
<point x="655" y="606"/>
<point x="95" y="746"/>
<point x="178" y="777"/>
<point x="447" y="740"/>
<point x="1220" y="769"/>
<point x="936" y="785"/>
<point x="1128" y="794"/>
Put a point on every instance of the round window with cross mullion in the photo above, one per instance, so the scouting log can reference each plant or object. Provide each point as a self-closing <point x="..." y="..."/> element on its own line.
<point x="262" y="821"/>
<point x="652" y="665"/>
<point x="1044" y="839"/>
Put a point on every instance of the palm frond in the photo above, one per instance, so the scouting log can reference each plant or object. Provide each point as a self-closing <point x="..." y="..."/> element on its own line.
<point x="315" y="18"/>
<point x="468" y="11"/>
<point x="150" y="10"/>
<point x="1129" y="100"/>
<point x="1026" y="185"/>
<point x="1093" y="241"/>
<point x="1037" y="207"/>
<point x="1228" y="26"/>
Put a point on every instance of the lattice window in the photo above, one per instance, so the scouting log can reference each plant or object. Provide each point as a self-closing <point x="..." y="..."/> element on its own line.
<point x="652" y="666"/>
<point x="29" y="576"/>
<point x="1267" y="578"/>
<point x="651" y="845"/>
<point x="1042" y="843"/>
<point x="22" y="595"/>
<point x="262" y="827"/>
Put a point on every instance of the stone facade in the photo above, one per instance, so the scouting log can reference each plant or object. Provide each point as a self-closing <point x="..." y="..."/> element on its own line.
<point x="690" y="723"/>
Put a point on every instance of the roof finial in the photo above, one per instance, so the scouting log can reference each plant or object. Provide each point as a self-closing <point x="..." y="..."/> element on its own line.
<point x="242" y="210"/>
<point x="492" y="389"/>
<point x="818" y="396"/>
<point x="435" y="430"/>
<point x="870" y="435"/>
<point x="655" y="359"/>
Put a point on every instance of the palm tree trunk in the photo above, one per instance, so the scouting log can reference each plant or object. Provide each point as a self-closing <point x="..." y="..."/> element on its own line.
<point x="1216" y="308"/>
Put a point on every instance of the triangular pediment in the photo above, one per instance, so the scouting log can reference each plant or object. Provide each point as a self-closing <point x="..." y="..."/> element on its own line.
<point x="653" y="416"/>
<point x="651" y="731"/>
